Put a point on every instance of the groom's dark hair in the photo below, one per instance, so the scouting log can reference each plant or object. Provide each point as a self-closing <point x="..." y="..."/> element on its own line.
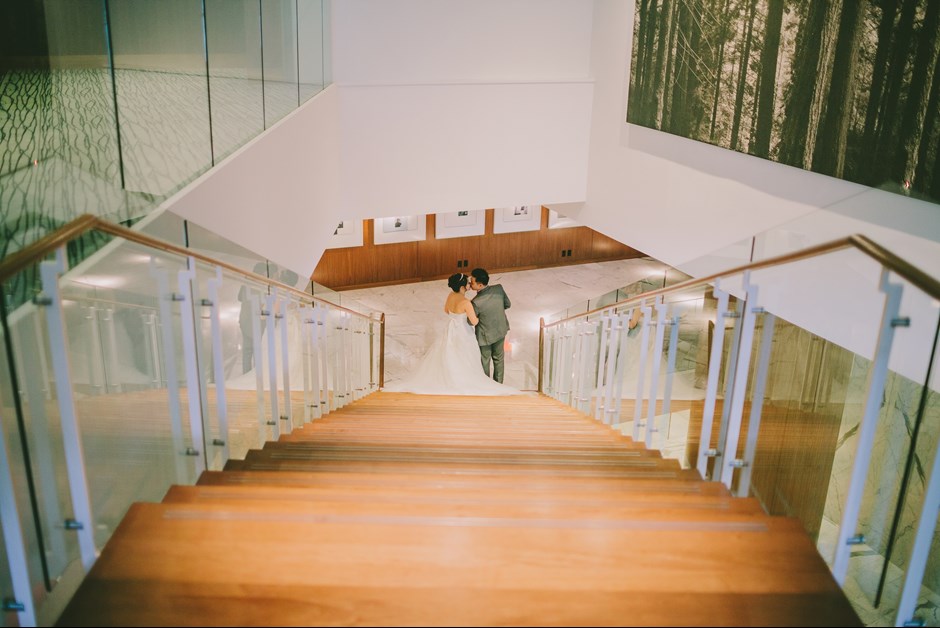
<point x="481" y="276"/>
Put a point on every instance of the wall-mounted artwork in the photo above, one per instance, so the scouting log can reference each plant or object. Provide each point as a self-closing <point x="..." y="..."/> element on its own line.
<point x="846" y="89"/>
<point x="399" y="229"/>
<point x="460" y="224"/>
<point x="346" y="233"/>
<point x="519" y="218"/>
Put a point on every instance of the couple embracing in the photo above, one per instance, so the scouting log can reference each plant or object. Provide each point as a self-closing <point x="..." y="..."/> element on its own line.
<point x="472" y="337"/>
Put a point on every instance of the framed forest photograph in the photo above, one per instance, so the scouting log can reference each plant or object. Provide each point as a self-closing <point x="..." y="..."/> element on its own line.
<point x="846" y="89"/>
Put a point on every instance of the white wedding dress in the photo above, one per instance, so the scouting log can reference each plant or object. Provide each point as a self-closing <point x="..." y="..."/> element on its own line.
<point x="451" y="366"/>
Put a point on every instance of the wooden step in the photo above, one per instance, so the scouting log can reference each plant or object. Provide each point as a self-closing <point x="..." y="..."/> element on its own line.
<point x="390" y="461"/>
<point x="506" y="503"/>
<point x="686" y="481"/>
<point x="176" y="564"/>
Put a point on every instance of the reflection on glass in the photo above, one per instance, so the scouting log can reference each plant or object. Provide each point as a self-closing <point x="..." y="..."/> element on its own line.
<point x="279" y="44"/>
<point x="311" y="25"/>
<point x="162" y="93"/>
<point x="124" y="351"/>
<point x="233" y="41"/>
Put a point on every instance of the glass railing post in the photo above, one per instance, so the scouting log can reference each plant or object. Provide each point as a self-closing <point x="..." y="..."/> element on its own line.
<point x="757" y="404"/>
<point x="357" y="358"/>
<point x="920" y="552"/>
<point x="606" y="363"/>
<point x="329" y="360"/>
<point x="319" y="361"/>
<point x="109" y="350"/>
<point x="96" y="360"/>
<point x="641" y="376"/>
<point x="583" y="380"/>
<point x="218" y="362"/>
<point x="14" y="544"/>
<point x="164" y="297"/>
<point x="730" y="462"/>
<point x="705" y="450"/>
<point x="623" y="329"/>
<point x="612" y="361"/>
<point x="257" y="349"/>
<point x="730" y="368"/>
<point x="564" y="390"/>
<point x="651" y="427"/>
<point x="184" y="295"/>
<point x="152" y="349"/>
<point x="554" y="369"/>
<point x="270" y="311"/>
<point x="541" y="353"/>
<point x="673" y="323"/>
<point x="876" y="382"/>
<point x="33" y="382"/>
<point x="282" y="316"/>
<point x="307" y="352"/>
<point x="83" y="522"/>
<point x="341" y="373"/>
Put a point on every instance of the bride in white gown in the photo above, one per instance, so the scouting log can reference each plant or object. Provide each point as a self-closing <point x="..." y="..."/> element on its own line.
<point x="451" y="366"/>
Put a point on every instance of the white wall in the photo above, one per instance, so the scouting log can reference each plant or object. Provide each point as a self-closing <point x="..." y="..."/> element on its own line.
<point x="450" y="105"/>
<point x="429" y="148"/>
<point x="276" y="196"/>
<point x="447" y="41"/>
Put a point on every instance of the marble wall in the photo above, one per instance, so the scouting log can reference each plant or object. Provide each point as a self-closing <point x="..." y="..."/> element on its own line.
<point x="892" y="459"/>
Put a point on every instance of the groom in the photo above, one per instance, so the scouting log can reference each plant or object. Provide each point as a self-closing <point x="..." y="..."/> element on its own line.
<point x="490" y="305"/>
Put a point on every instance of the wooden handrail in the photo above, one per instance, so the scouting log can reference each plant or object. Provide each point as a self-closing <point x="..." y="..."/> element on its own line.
<point x="87" y="222"/>
<point x="877" y="252"/>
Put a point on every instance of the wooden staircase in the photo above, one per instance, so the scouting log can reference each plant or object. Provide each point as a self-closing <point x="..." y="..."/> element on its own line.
<point x="403" y="509"/>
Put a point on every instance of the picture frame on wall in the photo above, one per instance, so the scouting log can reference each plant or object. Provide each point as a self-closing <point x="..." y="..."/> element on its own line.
<point x="460" y="224"/>
<point x="560" y="221"/>
<point x="347" y="233"/>
<point x="399" y="229"/>
<point x="518" y="218"/>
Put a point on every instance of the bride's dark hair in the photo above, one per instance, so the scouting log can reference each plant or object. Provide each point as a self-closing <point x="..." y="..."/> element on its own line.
<point x="457" y="281"/>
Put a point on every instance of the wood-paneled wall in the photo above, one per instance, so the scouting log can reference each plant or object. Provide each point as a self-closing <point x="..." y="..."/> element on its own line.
<point x="383" y="264"/>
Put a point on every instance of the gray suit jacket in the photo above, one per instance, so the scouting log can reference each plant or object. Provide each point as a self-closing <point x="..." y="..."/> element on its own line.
<point x="490" y="305"/>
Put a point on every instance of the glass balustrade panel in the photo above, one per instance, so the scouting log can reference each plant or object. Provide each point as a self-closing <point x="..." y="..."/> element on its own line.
<point x="124" y="313"/>
<point x="920" y="410"/>
<point x="232" y="420"/>
<point x="905" y="443"/>
<point x="683" y="373"/>
<point x="32" y="432"/>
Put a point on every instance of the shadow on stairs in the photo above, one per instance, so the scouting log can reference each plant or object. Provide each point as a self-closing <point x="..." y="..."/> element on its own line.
<point x="404" y="509"/>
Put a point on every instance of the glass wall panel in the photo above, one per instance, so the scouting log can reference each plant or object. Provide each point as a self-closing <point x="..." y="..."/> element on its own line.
<point x="162" y="93"/>
<point x="327" y="42"/>
<point x="279" y="44"/>
<point x="233" y="40"/>
<point x="310" y="47"/>
<point x="58" y="138"/>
